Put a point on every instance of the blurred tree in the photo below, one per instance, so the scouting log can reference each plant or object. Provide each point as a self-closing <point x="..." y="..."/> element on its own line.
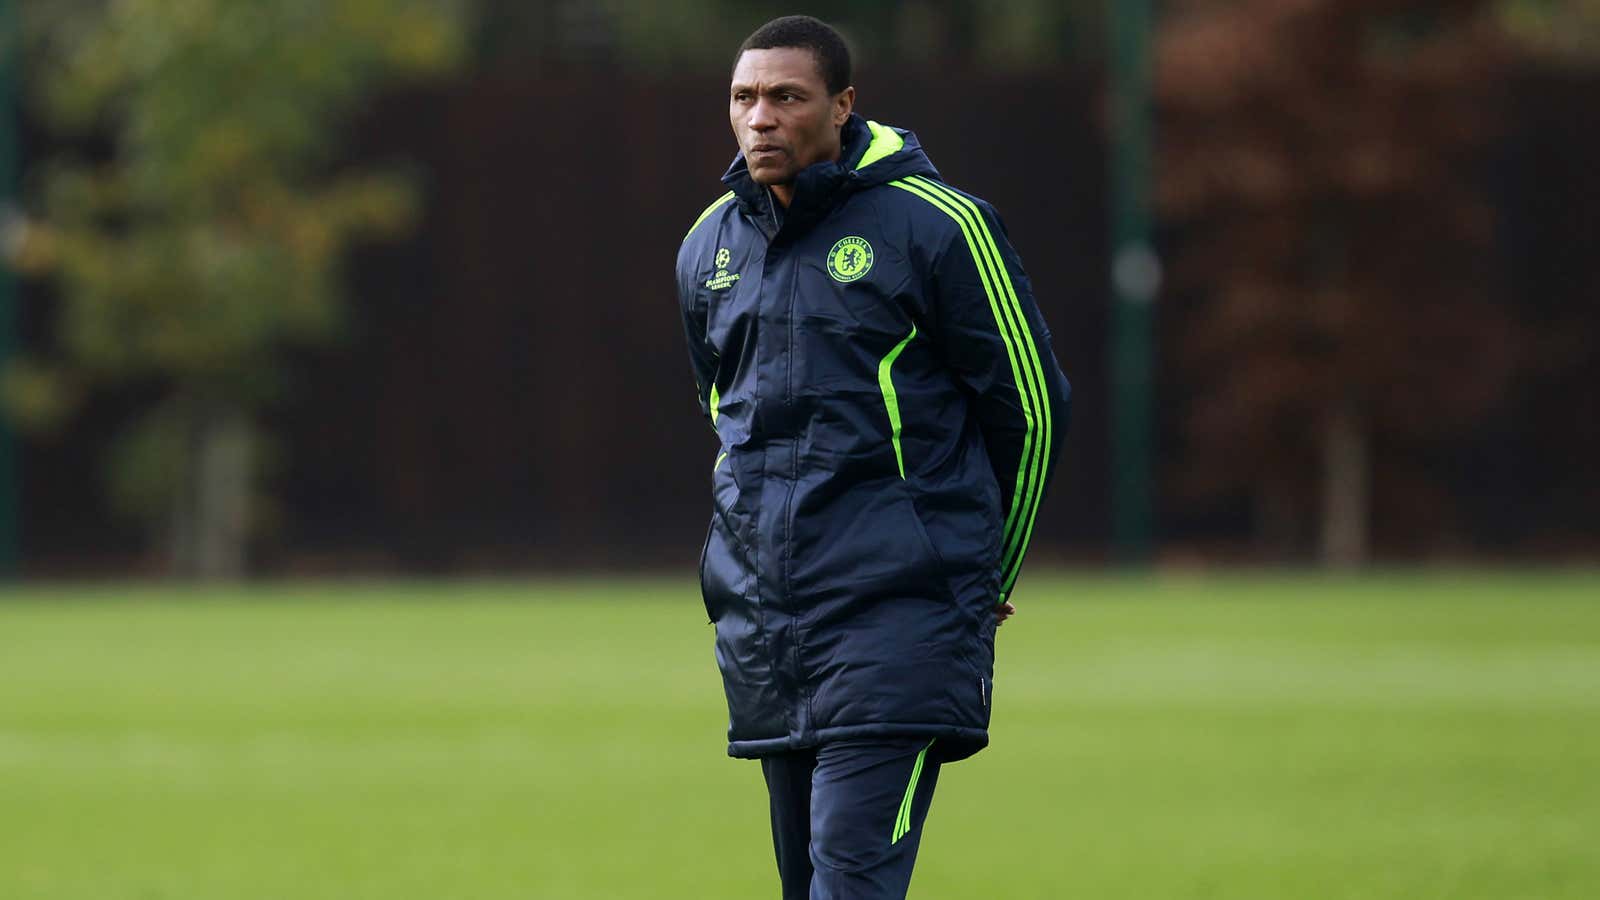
<point x="200" y="236"/>
<point x="1317" y="162"/>
<point x="1556" y="173"/>
<point x="648" y="33"/>
<point x="1564" y="30"/>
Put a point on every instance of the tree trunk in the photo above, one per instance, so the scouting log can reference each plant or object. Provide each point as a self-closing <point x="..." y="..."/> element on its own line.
<point x="211" y="510"/>
<point x="1346" y="488"/>
<point x="1277" y="521"/>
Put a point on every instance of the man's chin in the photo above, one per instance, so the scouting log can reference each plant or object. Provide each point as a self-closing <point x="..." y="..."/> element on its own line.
<point x="767" y="176"/>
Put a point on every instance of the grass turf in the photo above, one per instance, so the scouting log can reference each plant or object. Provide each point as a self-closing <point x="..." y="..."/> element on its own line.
<point x="1242" y="736"/>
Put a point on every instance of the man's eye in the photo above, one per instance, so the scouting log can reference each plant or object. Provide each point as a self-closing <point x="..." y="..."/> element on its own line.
<point x="787" y="97"/>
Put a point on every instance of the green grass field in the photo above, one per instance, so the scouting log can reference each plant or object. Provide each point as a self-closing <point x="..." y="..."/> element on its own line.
<point x="1246" y="736"/>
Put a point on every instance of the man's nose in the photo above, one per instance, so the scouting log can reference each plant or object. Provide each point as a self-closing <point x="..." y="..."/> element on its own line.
<point x="761" y="117"/>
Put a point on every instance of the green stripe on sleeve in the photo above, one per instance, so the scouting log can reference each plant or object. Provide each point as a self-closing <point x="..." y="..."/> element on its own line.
<point x="708" y="211"/>
<point x="1027" y="372"/>
<point x="991" y="286"/>
<point x="1017" y="539"/>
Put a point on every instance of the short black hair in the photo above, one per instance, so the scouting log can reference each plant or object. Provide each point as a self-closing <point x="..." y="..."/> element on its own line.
<point x="806" y="33"/>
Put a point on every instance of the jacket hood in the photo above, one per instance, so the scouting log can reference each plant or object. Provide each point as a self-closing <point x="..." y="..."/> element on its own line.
<point x="872" y="154"/>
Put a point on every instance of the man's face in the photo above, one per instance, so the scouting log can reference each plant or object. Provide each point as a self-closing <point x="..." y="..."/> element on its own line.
<point x="782" y="114"/>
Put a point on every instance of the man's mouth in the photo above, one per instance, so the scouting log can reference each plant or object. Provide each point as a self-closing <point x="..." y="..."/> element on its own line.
<point x="765" y="148"/>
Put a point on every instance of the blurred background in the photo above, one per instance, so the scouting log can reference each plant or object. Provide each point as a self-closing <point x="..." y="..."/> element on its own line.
<point x="384" y="286"/>
<point x="353" y="323"/>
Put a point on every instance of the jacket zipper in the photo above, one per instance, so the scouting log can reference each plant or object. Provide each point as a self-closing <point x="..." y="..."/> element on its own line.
<point x="794" y="475"/>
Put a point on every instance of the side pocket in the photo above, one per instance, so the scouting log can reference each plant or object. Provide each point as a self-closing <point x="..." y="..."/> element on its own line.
<point x="941" y="572"/>
<point x="719" y="568"/>
<point x="891" y="399"/>
<point x="978" y="642"/>
<point x="705" y="545"/>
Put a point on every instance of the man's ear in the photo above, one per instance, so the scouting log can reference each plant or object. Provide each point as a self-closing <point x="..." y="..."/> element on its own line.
<point x="843" y="106"/>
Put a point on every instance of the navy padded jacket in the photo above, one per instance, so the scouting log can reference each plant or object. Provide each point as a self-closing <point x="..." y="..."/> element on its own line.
<point x="890" y="413"/>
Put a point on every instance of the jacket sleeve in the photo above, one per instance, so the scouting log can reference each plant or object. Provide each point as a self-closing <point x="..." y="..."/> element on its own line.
<point x="996" y="344"/>
<point x="702" y="358"/>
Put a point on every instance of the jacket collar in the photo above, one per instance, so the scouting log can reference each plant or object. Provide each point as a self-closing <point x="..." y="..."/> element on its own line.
<point x="871" y="154"/>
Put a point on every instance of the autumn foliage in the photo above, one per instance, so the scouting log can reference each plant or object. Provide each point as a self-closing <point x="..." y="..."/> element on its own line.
<point x="1331" y="319"/>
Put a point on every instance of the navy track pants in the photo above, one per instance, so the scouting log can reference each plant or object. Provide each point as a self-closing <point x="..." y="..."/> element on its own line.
<point x="847" y="816"/>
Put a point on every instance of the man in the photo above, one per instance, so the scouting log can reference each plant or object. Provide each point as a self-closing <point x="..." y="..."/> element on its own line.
<point x="867" y="348"/>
